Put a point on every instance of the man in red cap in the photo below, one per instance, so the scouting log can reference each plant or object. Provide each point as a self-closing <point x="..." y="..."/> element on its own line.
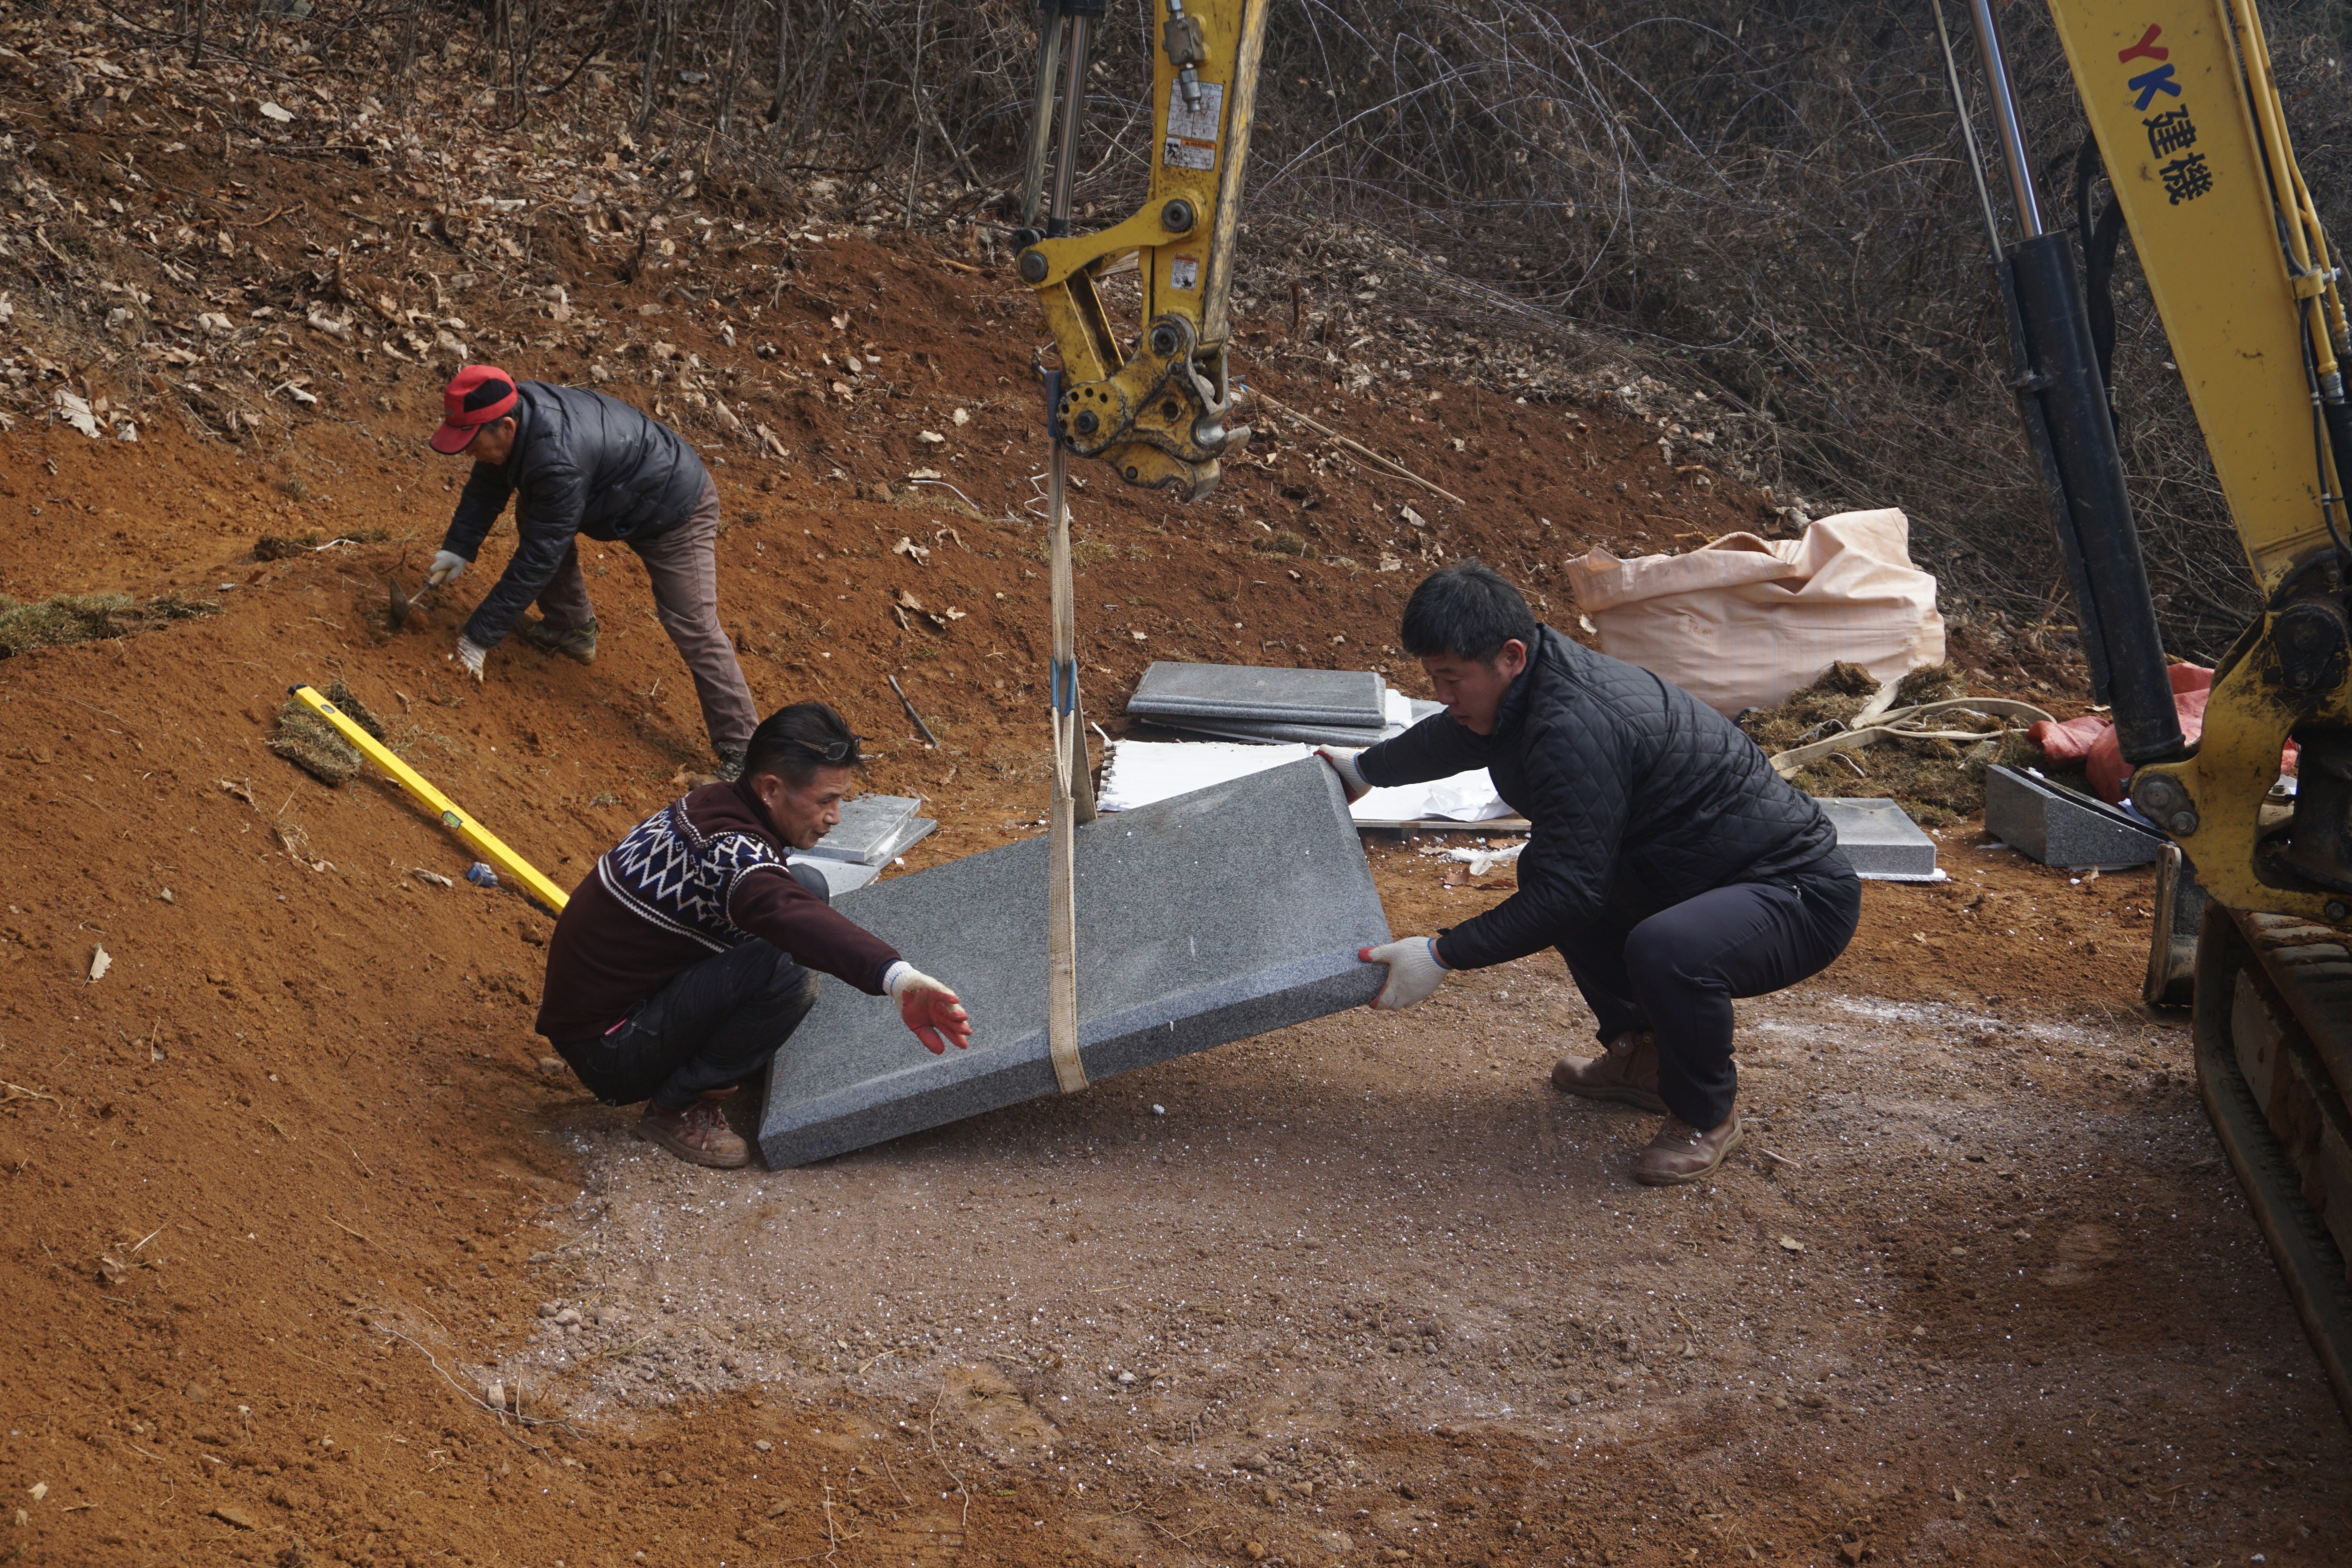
<point x="580" y="462"/>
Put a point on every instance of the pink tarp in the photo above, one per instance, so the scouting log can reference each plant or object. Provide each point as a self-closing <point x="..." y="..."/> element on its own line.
<point x="2091" y="740"/>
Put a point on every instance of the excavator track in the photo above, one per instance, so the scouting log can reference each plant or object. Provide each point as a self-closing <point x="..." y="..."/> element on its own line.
<point x="2274" y="1043"/>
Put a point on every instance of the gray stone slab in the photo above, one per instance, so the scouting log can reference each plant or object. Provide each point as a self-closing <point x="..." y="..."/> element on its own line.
<point x="1202" y="920"/>
<point x="1279" y="734"/>
<point x="914" y="832"/>
<point x="1264" y="695"/>
<point x="839" y="875"/>
<point x="1265" y="732"/>
<point x="869" y="826"/>
<point x="2059" y="826"/>
<point x="848" y="876"/>
<point x="1880" y="841"/>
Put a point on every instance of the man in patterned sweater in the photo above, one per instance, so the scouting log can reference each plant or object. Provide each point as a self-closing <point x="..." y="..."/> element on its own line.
<point x="683" y="962"/>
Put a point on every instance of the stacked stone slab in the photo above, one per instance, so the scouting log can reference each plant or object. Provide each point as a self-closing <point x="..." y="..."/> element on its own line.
<point x="874" y="830"/>
<point x="1202" y="920"/>
<point x="1251" y="702"/>
<point x="1880" y="841"/>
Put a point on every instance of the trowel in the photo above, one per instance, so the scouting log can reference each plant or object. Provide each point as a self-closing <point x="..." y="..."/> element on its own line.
<point x="401" y="604"/>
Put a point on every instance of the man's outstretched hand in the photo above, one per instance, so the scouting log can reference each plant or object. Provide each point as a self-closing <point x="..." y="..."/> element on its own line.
<point x="471" y="655"/>
<point x="930" y="1009"/>
<point x="1350" y="779"/>
<point x="1413" y="971"/>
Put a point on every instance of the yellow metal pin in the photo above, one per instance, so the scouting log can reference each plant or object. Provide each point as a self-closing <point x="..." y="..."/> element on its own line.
<point x="480" y="840"/>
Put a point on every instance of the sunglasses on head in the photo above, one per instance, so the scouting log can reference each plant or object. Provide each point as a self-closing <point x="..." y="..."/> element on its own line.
<point x="833" y="752"/>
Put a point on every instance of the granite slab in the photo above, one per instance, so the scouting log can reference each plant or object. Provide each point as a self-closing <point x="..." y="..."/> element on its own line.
<point x="1402" y="715"/>
<point x="1171" y="690"/>
<point x="2059" y="826"/>
<point x="838" y="877"/>
<point x="1203" y="919"/>
<point x="869" y="826"/>
<point x="1880" y="841"/>
<point x="1281" y="733"/>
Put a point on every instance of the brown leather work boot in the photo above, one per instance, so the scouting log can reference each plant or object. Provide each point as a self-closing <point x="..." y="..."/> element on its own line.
<point x="699" y="1134"/>
<point x="1627" y="1072"/>
<point x="1681" y="1152"/>
<point x="572" y="642"/>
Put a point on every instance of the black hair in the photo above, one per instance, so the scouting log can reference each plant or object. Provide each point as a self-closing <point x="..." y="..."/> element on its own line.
<point x="794" y="743"/>
<point x="1468" y="610"/>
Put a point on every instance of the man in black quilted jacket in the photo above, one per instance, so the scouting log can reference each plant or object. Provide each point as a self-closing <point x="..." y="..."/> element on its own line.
<point x="579" y="462"/>
<point x="1670" y="864"/>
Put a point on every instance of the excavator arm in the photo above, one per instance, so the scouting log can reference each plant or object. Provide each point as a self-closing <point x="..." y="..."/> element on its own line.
<point x="2179" y="96"/>
<point x="1154" y="408"/>
<point x="2188" y="124"/>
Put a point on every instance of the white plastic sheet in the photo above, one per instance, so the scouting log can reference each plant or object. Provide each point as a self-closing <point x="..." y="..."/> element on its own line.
<point x="1138" y="773"/>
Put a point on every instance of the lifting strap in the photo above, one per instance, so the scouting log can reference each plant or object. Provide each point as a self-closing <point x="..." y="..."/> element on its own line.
<point x="1074" y="791"/>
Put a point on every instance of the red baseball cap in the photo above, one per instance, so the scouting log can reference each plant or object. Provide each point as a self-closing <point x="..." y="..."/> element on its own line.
<point x="476" y="396"/>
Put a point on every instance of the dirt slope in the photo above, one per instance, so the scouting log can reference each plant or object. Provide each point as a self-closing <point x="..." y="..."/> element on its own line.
<point x="286" y="1185"/>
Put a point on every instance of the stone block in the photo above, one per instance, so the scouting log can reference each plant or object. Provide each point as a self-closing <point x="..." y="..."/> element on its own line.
<point x="1169" y="691"/>
<point x="2060" y="826"/>
<point x="1880" y="841"/>
<point x="871" y="829"/>
<point x="1403" y="714"/>
<point x="1203" y="919"/>
<point x="838" y="877"/>
<point x="1278" y="734"/>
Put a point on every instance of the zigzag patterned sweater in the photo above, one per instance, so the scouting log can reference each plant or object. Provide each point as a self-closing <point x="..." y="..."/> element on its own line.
<point x="703" y="875"/>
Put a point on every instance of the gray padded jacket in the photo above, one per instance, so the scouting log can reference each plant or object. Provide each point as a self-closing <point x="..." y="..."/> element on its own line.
<point x="582" y="463"/>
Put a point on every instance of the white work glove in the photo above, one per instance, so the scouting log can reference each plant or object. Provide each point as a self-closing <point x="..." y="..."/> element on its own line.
<point x="927" y="1008"/>
<point x="448" y="567"/>
<point x="1344" y="765"/>
<point x="471" y="656"/>
<point x="1413" y="971"/>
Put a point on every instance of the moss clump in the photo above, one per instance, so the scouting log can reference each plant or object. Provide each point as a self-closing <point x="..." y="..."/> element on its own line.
<point x="1931" y="683"/>
<point x="306" y="739"/>
<point x="87" y="618"/>
<point x="1937" y="781"/>
<point x="1838" y="694"/>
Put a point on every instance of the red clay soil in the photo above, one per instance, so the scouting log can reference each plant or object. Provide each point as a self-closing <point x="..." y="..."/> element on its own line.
<point x="284" y="1179"/>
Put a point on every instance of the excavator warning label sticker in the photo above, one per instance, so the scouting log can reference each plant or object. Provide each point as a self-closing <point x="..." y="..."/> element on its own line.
<point x="1192" y="141"/>
<point x="1184" y="272"/>
<point x="1202" y="124"/>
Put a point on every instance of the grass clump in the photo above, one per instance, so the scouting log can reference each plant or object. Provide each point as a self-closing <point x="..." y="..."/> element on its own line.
<point x="1936" y="782"/>
<point x="63" y="618"/>
<point x="1812" y="712"/>
<point x="305" y="738"/>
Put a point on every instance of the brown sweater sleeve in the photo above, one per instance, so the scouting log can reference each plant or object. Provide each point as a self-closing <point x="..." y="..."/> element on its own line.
<point x="769" y="904"/>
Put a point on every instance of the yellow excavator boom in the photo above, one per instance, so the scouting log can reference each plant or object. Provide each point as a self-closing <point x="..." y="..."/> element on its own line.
<point x="2188" y="122"/>
<point x="1154" y="408"/>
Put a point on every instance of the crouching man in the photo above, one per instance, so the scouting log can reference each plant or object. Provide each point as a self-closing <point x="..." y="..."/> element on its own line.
<point x="1670" y="864"/>
<point x="683" y="961"/>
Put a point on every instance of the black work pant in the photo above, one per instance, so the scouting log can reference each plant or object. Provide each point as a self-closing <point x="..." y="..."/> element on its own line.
<point x="711" y="1028"/>
<point x="1674" y="972"/>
